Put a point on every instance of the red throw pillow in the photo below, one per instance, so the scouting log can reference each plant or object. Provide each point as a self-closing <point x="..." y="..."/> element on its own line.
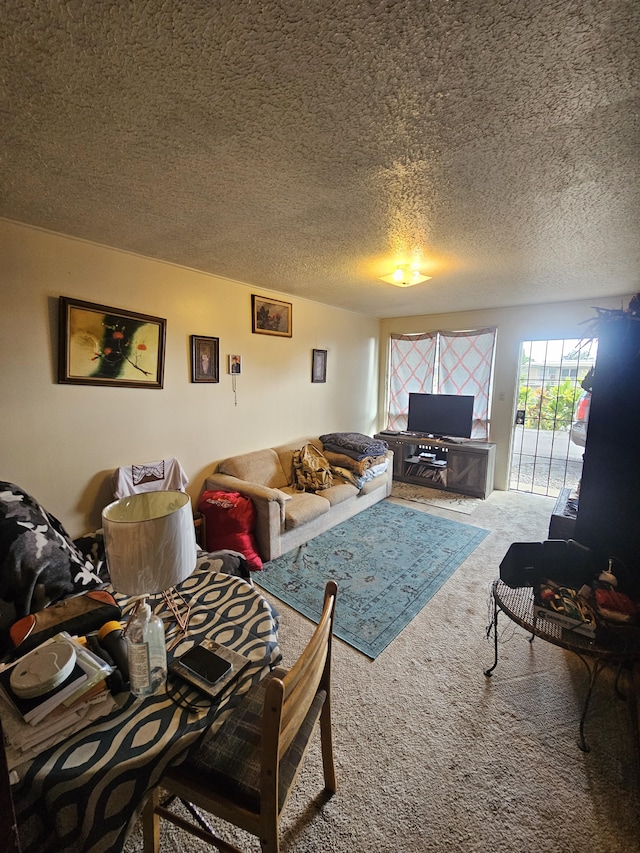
<point x="229" y="520"/>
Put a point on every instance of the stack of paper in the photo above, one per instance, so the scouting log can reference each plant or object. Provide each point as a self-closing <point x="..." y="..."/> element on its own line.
<point x="89" y="671"/>
<point x="33" y="725"/>
<point x="24" y="742"/>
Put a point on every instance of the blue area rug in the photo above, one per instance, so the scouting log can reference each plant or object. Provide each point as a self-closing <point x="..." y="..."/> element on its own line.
<point x="388" y="562"/>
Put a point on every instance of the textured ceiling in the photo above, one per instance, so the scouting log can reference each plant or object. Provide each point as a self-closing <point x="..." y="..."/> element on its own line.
<point x="304" y="146"/>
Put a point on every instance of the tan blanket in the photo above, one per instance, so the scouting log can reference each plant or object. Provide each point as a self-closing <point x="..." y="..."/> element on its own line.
<point x="357" y="465"/>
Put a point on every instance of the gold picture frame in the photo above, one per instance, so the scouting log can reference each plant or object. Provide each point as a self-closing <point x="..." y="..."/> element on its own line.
<point x="271" y="317"/>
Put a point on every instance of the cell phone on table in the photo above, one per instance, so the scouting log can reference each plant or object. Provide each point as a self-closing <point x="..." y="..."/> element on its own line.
<point x="209" y="666"/>
<point x="205" y="664"/>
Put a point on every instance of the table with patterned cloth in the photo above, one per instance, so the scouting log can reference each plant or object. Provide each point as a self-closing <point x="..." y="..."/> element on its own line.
<point x="85" y="794"/>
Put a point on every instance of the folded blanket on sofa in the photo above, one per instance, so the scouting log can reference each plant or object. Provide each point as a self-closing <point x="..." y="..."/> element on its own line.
<point x="359" y="480"/>
<point x="353" y="444"/>
<point x="359" y="466"/>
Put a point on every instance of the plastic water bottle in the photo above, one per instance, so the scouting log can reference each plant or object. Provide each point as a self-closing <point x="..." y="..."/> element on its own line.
<point x="146" y="652"/>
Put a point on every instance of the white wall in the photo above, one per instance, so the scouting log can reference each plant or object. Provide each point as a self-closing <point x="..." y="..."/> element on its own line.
<point x="62" y="442"/>
<point x="561" y="320"/>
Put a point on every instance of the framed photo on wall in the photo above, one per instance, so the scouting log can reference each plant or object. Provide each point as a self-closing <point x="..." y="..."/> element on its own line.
<point x="205" y="359"/>
<point x="271" y="317"/>
<point x="319" y="365"/>
<point x="234" y="365"/>
<point x="99" y="345"/>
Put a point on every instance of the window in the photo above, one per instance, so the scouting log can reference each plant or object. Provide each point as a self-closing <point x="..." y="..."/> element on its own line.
<point x="442" y="363"/>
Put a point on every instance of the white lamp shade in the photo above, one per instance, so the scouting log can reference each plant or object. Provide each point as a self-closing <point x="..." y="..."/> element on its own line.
<point x="149" y="541"/>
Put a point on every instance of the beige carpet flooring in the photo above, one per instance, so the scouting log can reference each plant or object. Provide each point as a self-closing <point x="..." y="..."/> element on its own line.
<point x="434" y="757"/>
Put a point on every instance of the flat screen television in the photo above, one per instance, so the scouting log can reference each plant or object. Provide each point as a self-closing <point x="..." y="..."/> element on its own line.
<point x="441" y="415"/>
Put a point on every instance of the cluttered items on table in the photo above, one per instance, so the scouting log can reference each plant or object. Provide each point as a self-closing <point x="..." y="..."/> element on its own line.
<point x="49" y="694"/>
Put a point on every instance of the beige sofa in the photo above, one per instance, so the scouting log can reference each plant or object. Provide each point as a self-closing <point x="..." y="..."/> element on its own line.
<point x="286" y="518"/>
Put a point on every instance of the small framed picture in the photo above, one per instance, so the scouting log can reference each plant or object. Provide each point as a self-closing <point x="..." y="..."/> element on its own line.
<point x="271" y="317"/>
<point x="235" y="365"/>
<point x="205" y="359"/>
<point x="319" y="365"/>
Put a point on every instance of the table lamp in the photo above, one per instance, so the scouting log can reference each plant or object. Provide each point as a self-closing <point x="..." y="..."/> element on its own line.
<point x="150" y="546"/>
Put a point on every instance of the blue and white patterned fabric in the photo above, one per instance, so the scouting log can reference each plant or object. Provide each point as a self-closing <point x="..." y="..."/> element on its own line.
<point x="91" y="788"/>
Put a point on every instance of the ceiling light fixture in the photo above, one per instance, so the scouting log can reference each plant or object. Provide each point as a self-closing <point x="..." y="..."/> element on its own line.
<point x="405" y="276"/>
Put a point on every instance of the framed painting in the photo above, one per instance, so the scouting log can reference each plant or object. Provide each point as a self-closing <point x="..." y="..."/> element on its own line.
<point x="205" y="359"/>
<point x="319" y="365"/>
<point x="99" y="345"/>
<point x="271" y="317"/>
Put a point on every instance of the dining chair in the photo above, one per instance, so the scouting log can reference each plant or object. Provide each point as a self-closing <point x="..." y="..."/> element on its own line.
<point x="245" y="772"/>
<point x="160" y="476"/>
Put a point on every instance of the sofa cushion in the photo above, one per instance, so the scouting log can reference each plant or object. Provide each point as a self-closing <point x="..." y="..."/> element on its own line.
<point x="304" y="507"/>
<point x="339" y="493"/>
<point x="261" y="466"/>
<point x="374" y="483"/>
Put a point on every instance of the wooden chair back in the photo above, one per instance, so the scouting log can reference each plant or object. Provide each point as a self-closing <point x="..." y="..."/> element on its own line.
<point x="289" y="696"/>
<point x="289" y="699"/>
